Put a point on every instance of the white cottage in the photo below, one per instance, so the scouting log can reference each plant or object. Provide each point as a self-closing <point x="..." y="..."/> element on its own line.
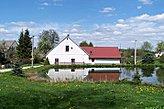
<point x="68" y="52"/>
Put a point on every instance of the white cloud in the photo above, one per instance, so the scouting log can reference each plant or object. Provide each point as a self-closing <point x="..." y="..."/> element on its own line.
<point x="107" y="10"/>
<point x="159" y="17"/>
<point x="22" y="23"/>
<point x="117" y="33"/>
<point x="3" y="30"/>
<point x="1" y="25"/>
<point x="146" y="1"/>
<point x="45" y="4"/>
<point x="123" y="31"/>
<point x="139" y="7"/>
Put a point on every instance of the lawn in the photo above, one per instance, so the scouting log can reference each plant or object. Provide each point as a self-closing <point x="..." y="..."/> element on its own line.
<point x="21" y="93"/>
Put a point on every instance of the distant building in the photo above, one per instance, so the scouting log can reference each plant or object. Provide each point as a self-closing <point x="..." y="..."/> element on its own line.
<point x="68" y="52"/>
<point x="159" y="54"/>
<point x="7" y="47"/>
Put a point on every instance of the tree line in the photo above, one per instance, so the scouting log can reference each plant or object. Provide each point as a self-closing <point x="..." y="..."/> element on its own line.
<point x="48" y="39"/>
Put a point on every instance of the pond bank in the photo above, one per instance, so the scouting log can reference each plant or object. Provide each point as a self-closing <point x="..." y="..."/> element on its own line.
<point x="17" y="92"/>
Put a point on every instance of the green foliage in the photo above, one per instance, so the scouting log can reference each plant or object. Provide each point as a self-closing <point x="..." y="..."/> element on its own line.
<point x="146" y="46"/>
<point x="147" y="71"/>
<point x="48" y="40"/>
<point x="24" y="45"/>
<point x="90" y="44"/>
<point x="161" y="59"/>
<point x="85" y="44"/>
<point x="19" y="93"/>
<point x="160" y="74"/>
<point x="148" y="59"/>
<point x="17" y="70"/>
<point x="2" y="58"/>
<point x="46" y="62"/>
<point x="160" y="46"/>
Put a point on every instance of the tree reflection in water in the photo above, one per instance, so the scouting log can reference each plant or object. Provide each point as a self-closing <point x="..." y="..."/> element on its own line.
<point x="136" y="77"/>
<point x="147" y="71"/>
<point x="160" y="75"/>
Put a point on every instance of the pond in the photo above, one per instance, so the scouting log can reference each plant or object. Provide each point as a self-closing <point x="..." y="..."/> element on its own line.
<point x="148" y="75"/>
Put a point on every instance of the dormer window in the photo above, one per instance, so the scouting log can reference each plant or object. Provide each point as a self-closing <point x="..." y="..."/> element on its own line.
<point x="67" y="48"/>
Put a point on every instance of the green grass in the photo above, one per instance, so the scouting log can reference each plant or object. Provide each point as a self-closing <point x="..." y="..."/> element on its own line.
<point x="20" y="93"/>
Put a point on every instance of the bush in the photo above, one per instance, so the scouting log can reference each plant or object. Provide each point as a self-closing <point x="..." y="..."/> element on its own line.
<point x="17" y="70"/>
<point x="161" y="59"/>
<point x="46" y="62"/>
<point x="148" y="59"/>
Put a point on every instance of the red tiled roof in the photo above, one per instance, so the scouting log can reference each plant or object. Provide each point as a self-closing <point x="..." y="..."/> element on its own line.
<point x="102" y="52"/>
<point x="104" y="76"/>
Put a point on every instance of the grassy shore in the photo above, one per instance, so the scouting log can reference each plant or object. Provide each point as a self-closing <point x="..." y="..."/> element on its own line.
<point x="20" y="93"/>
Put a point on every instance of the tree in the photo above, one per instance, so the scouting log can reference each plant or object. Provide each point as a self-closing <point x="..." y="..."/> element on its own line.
<point x="147" y="46"/>
<point x="161" y="59"/>
<point x="2" y="58"/>
<point x="85" y="44"/>
<point x="17" y="70"/>
<point x="90" y="44"/>
<point x="148" y="59"/>
<point x="24" y="46"/>
<point x="160" y="46"/>
<point x="48" y="40"/>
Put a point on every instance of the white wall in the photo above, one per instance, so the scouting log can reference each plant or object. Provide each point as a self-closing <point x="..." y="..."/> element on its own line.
<point x="106" y="61"/>
<point x="67" y="74"/>
<point x="75" y="52"/>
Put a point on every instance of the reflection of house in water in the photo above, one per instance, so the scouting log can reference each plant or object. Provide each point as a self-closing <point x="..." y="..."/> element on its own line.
<point x="67" y="74"/>
<point x="95" y="74"/>
<point x="106" y="74"/>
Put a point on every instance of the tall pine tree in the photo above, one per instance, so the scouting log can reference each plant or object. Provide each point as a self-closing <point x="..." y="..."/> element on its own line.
<point x="24" y="47"/>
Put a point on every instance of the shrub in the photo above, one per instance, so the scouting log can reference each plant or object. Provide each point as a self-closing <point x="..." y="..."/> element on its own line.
<point x="46" y="62"/>
<point x="148" y="59"/>
<point x="17" y="70"/>
<point x="161" y="59"/>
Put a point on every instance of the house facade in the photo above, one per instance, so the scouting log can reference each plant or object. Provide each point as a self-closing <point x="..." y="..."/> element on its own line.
<point x="68" y="52"/>
<point x="8" y="47"/>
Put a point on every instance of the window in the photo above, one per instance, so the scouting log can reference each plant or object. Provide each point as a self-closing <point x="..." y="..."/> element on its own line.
<point x="72" y="70"/>
<point x="73" y="61"/>
<point x="56" y="70"/>
<point x="56" y="61"/>
<point x="93" y="60"/>
<point x="67" y="48"/>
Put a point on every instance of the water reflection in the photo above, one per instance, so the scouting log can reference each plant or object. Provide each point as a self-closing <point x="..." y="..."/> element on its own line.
<point x="160" y="75"/>
<point x="150" y="75"/>
<point x="104" y="74"/>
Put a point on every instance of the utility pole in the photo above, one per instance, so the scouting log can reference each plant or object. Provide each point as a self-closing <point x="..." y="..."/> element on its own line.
<point x="135" y="52"/>
<point x="32" y="60"/>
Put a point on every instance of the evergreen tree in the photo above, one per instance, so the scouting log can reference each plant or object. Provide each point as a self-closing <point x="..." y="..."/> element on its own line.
<point x="24" y="46"/>
<point x="90" y="44"/>
<point x="83" y="44"/>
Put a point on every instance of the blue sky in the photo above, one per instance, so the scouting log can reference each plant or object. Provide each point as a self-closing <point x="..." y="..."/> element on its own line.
<point x="112" y="22"/>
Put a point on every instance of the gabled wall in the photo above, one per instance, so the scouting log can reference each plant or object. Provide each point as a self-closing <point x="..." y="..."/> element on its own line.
<point x="75" y="52"/>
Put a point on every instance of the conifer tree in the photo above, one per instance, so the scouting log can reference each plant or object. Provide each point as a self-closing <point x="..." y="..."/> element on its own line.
<point x="24" y="45"/>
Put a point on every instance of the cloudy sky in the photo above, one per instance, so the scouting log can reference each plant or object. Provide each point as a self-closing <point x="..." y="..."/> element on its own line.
<point x="103" y="22"/>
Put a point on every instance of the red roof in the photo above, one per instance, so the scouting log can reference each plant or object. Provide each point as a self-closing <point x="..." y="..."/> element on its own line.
<point x="103" y="76"/>
<point x="102" y="52"/>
